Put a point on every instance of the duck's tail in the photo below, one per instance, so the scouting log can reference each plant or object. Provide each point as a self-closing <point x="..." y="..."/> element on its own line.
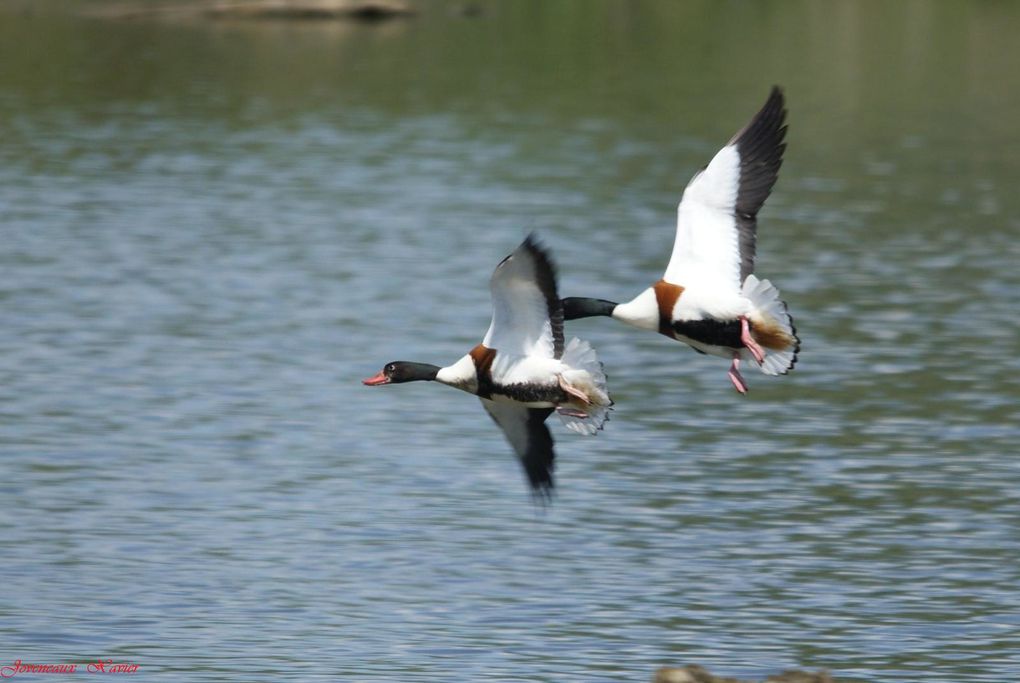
<point x="584" y="372"/>
<point x="771" y="326"/>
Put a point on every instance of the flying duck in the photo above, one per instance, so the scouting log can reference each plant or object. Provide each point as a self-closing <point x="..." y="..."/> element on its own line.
<point x="521" y="371"/>
<point x="709" y="297"/>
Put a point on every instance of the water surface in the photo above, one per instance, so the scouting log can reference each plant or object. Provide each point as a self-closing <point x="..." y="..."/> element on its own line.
<point x="211" y="232"/>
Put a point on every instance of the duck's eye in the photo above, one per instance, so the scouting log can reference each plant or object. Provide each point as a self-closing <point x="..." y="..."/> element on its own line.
<point x="392" y="367"/>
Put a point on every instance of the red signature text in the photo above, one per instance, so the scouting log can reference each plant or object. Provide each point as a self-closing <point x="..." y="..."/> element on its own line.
<point x="100" y="666"/>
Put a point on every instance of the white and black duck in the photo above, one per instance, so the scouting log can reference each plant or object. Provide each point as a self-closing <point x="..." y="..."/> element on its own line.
<point x="709" y="296"/>
<point x="522" y="371"/>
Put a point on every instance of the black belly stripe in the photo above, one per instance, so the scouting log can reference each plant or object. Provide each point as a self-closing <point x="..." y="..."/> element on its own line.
<point x="711" y="332"/>
<point x="485" y="386"/>
<point x="531" y="393"/>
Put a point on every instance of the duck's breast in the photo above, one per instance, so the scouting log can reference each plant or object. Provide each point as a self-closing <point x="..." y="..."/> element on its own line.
<point x="530" y="380"/>
<point x="705" y="300"/>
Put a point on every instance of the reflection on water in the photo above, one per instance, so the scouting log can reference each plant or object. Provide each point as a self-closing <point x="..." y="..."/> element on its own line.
<point x="208" y="243"/>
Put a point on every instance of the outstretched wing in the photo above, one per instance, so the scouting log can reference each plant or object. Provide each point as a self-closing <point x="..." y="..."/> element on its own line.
<point x="526" y="431"/>
<point x="527" y="317"/>
<point x="716" y="219"/>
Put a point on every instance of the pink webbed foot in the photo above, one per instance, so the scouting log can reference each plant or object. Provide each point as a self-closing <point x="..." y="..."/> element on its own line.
<point x="738" y="381"/>
<point x="572" y="391"/>
<point x="571" y="412"/>
<point x="748" y="341"/>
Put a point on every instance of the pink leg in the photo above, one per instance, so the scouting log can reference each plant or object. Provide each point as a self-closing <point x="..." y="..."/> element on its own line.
<point x="570" y="412"/>
<point x="748" y="341"/>
<point x="738" y="381"/>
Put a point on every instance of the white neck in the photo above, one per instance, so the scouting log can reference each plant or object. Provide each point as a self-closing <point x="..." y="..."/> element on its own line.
<point x="642" y="311"/>
<point x="461" y="375"/>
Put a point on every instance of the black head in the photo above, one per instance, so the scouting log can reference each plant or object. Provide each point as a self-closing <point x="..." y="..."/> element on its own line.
<point x="401" y="371"/>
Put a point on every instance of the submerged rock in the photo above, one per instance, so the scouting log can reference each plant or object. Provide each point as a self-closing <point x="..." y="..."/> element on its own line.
<point x="692" y="673"/>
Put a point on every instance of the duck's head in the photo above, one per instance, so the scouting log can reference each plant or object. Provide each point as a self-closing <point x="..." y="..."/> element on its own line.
<point x="401" y="371"/>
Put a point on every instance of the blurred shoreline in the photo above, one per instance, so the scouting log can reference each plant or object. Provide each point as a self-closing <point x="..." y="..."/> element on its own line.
<point x="294" y="10"/>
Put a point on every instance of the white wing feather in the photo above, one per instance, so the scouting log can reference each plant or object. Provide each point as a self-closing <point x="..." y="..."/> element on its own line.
<point x="520" y="310"/>
<point x="707" y="244"/>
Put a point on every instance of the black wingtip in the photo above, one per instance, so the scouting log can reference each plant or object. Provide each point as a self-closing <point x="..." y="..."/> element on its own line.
<point x="774" y="107"/>
<point x="540" y="483"/>
<point x="761" y="145"/>
<point x="766" y="126"/>
<point x="540" y="461"/>
<point x="545" y="274"/>
<point x="542" y="494"/>
<point x="534" y="245"/>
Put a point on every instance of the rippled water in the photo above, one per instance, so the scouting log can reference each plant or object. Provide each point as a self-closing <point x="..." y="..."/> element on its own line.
<point x="211" y="233"/>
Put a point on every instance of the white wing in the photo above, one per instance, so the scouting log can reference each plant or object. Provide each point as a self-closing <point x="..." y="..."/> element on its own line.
<point x="716" y="219"/>
<point x="527" y="317"/>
